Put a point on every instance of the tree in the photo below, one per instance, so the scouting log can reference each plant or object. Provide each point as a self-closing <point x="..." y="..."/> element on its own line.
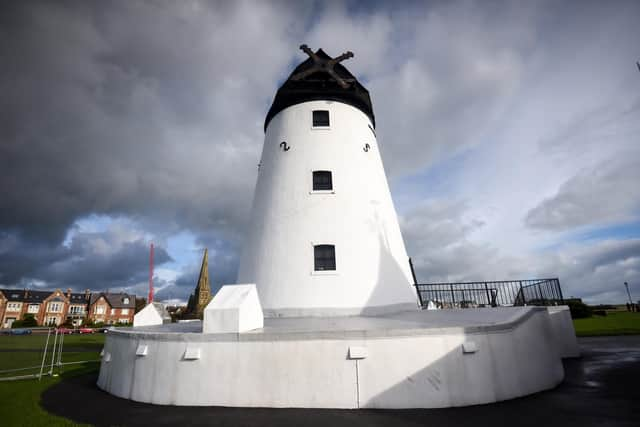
<point x="579" y="310"/>
<point x="29" y="321"/>
<point x="140" y="304"/>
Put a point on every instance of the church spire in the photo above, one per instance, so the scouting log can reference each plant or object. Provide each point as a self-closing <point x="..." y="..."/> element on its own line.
<point x="202" y="295"/>
<point x="203" y="279"/>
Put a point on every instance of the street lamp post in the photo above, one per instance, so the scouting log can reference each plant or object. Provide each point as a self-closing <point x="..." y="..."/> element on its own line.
<point x="626" y="285"/>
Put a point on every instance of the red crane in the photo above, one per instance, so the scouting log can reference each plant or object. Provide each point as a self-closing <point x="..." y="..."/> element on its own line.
<point x="150" y="299"/>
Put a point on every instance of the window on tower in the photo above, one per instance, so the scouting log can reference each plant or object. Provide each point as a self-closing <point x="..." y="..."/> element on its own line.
<point x="322" y="181"/>
<point x="321" y="118"/>
<point x="324" y="257"/>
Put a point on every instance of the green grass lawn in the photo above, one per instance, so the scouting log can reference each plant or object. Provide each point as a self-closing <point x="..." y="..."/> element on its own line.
<point x="614" y="323"/>
<point x="21" y="351"/>
<point x="20" y="399"/>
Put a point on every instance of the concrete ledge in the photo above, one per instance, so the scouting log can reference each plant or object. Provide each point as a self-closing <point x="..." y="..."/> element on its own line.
<point x="301" y="364"/>
<point x="339" y="312"/>
<point x="564" y="334"/>
<point x="408" y="323"/>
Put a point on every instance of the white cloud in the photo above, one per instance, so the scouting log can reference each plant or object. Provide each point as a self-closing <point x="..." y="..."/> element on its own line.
<point x="607" y="193"/>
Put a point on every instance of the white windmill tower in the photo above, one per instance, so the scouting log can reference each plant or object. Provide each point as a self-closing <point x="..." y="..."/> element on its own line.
<point x="324" y="237"/>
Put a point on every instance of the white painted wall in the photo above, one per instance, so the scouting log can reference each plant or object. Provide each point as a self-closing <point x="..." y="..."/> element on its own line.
<point x="426" y="370"/>
<point x="358" y="217"/>
<point x="152" y="314"/>
<point x="235" y="308"/>
<point x="563" y="331"/>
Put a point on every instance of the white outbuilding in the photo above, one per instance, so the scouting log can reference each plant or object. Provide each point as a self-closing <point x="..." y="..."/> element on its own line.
<point x="234" y="309"/>
<point x="153" y="314"/>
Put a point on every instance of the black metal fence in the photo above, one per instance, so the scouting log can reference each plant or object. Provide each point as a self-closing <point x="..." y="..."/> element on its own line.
<point x="490" y="294"/>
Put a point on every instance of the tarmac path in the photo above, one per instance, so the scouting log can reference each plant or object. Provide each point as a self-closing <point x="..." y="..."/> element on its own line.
<point x="602" y="388"/>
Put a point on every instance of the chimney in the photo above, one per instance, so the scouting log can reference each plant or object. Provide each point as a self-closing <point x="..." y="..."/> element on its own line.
<point x="68" y="292"/>
<point x="26" y="293"/>
<point x="87" y="293"/>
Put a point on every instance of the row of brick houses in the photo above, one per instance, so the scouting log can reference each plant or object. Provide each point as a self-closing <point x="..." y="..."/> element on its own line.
<point x="57" y="307"/>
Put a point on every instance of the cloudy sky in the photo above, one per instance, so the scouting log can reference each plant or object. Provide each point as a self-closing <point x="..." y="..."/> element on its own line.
<point x="510" y="134"/>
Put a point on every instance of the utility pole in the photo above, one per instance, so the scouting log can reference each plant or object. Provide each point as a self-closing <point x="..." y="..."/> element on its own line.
<point x="626" y="285"/>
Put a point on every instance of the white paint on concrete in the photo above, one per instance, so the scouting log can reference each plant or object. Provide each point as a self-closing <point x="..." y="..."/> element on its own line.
<point x="563" y="331"/>
<point x="372" y="273"/>
<point x="153" y="314"/>
<point x="413" y="360"/>
<point x="235" y="308"/>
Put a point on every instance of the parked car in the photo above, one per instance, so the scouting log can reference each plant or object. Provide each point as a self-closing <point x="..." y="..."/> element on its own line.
<point x="63" y="330"/>
<point x="20" y="331"/>
<point x="86" y="330"/>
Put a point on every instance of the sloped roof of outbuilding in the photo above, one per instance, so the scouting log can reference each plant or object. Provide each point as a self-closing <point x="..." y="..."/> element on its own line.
<point x="162" y="311"/>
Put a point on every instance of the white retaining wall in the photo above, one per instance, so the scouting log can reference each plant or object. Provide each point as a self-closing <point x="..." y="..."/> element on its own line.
<point x="424" y="369"/>
<point x="563" y="331"/>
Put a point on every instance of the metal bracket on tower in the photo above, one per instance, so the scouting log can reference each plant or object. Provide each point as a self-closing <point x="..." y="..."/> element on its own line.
<point x="284" y="146"/>
<point x="323" y="65"/>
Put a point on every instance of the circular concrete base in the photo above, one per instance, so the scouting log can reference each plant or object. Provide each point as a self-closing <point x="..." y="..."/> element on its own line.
<point x="416" y="359"/>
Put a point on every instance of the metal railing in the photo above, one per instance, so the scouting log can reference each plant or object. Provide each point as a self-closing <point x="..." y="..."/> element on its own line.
<point x="52" y="353"/>
<point x="506" y="293"/>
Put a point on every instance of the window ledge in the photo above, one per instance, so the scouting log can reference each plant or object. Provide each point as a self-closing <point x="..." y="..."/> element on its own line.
<point x="322" y="192"/>
<point x="320" y="127"/>
<point x="325" y="273"/>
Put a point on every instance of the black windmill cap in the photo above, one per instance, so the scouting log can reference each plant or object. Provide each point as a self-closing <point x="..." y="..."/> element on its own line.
<point x="306" y="85"/>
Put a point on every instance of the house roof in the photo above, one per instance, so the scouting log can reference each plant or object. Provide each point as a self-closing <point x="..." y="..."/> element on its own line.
<point x="25" y="295"/>
<point x="36" y="297"/>
<point x="116" y="300"/>
<point x="79" y="299"/>
<point x="13" y="294"/>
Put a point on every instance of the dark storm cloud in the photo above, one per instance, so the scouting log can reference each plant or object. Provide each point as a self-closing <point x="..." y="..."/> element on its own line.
<point x="21" y="257"/>
<point x="111" y="259"/>
<point x="150" y="111"/>
<point x="223" y="266"/>
<point x="144" y="109"/>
